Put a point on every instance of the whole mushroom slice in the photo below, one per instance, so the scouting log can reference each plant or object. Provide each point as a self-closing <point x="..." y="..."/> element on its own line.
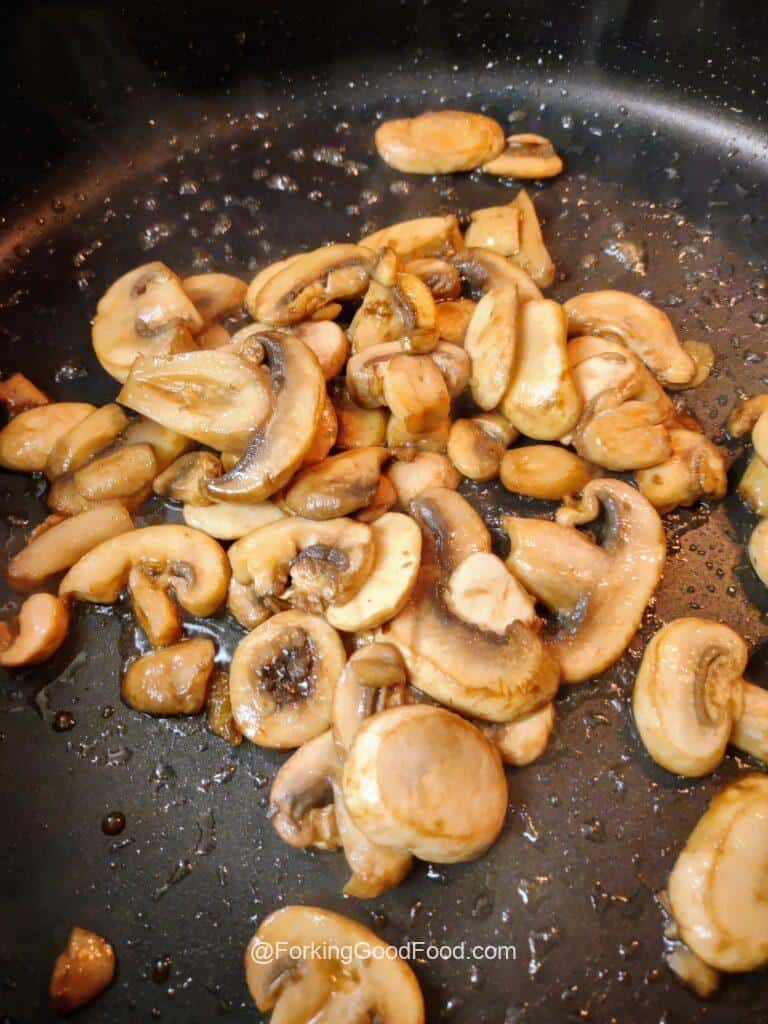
<point x="414" y="390"/>
<point x="695" y="471"/>
<point x="82" y="972"/>
<point x="279" y="444"/>
<point x="248" y="608"/>
<point x="526" y="156"/>
<point x="688" y="693"/>
<point x="376" y="985"/>
<point x="38" y="632"/>
<point x="121" y="474"/>
<point x="490" y="343"/>
<point x="230" y="522"/>
<point x="758" y="550"/>
<point x="415" y="472"/>
<point x="642" y="328"/>
<point x="542" y="401"/>
<point x="308" y="283"/>
<point x="397" y="556"/>
<point x="282" y="679"/>
<point x="545" y="471"/>
<point x="620" y="435"/>
<point x="373" y="680"/>
<point x="301" y="801"/>
<point x="191" y="563"/>
<point x="26" y="442"/>
<point x="172" y="680"/>
<point x="419" y="238"/>
<point x="145" y="312"/>
<point x="523" y="741"/>
<point x="155" y="611"/>
<point x="717" y="886"/>
<point x="214" y="397"/>
<point x="215" y="295"/>
<point x="472" y="669"/>
<point x="483" y="269"/>
<point x="598" y="592"/>
<point x="59" y="546"/>
<point x="411" y="781"/>
<point x="369" y="387"/>
<point x="337" y="486"/>
<point x="85" y="440"/>
<point x="439" y="142"/>
<point x="476" y="445"/>
<point x="311" y="564"/>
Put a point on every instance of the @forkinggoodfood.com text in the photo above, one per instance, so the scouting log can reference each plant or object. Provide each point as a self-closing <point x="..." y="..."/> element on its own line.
<point x="268" y="952"/>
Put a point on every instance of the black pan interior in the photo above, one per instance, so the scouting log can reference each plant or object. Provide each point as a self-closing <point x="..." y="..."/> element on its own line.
<point x="218" y="140"/>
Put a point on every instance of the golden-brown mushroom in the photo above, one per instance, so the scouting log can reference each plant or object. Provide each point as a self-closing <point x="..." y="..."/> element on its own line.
<point x="325" y="435"/>
<point x="221" y="721"/>
<point x="337" y="486"/>
<point x="526" y="156"/>
<point x="82" y="971"/>
<point x="483" y="269"/>
<point x="439" y="142"/>
<point x="171" y="681"/>
<point x="229" y="522"/>
<point x="440" y="276"/>
<point x="358" y="427"/>
<point x="215" y="295"/>
<point x="18" y="393"/>
<point x="695" y="471"/>
<point x="476" y="446"/>
<point x="373" y="680"/>
<point x="415" y="472"/>
<point x="523" y="741"/>
<point x="418" y="239"/>
<point x="545" y="471"/>
<point x="301" y="801"/>
<point x="184" y="480"/>
<point x="329" y="344"/>
<point x="86" y="439"/>
<point x="123" y="473"/>
<point x="26" y="442"/>
<point x="37" y="633"/>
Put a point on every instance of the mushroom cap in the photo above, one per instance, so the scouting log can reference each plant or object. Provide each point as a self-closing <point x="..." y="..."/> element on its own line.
<point x="172" y="680"/>
<point x="717" y="886"/>
<point x="411" y="781"/>
<point x="421" y="237"/>
<point x="230" y="522"/>
<point x="439" y="142"/>
<point x="41" y="629"/>
<point x="688" y="692"/>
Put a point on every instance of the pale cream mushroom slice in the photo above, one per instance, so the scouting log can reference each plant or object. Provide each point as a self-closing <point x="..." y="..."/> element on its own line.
<point x="279" y="444"/>
<point x="146" y="312"/>
<point x="514" y="231"/>
<point x="688" y="693"/>
<point x="36" y="634"/>
<point x="439" y="142"/>
<point x="230" y="522"/>
<point x="281" y="976"/>
<point x="357" y="427"/>
<point x="545" y="471"/>
<point x="619" y="434"/>
<point x="282" y="679"/>
<point x="124" y="473"/>
<point x="26" y="442"/>
<point x="542" y="401"/>
<point x="642" y="328"/>
<point x="525" y="740"/>
<point x="491" y="343"/>
<point x="475" y="670"/>
<point x="217" y="398"/>
<point x="483" y="592"/>
<point x="189" y="562"/>
<point x="750" y="729"/>
<point x="184" y="480"/>
<point x="166" y="443"/>
<point x="483" y="269"/>
<point x="453" y="318"/>
<point x="753" y="486"/>
<point x="311" y="564"/>
<point x="301" y="801"/>
<point x="695" y="471"/>
<point x="215" y="296"/>
<point x="82" y="972"/>
<point x="309" y="282"/>
<point x="337" y="486"/>
<point x="172" y="680"/>
<point x="476" y="446"/>
<point x="397" y="556"/>
<point x="373" y="680"/>
<point x="440" y="276"/>
<point x="414" y="472"/>
<point x="526" y="156"/>
<point x="598" y="592"/>
<point x="18" y="393"/>
<point x="717" y="886"/>
<point x="411" y="781"/>
<point x="329" y="344"/>
<point x="533" y="255"/>
<point x="758" y="550"/>
<point x="85" y="440"/>
<point x="419" y="238"/>
<point x="59" y="546"/>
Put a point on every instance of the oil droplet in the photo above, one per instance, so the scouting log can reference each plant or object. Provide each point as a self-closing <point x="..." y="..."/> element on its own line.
<point x="161" y="969"/>
<point x="63" y="721"/>
<point x="113" y="823"/>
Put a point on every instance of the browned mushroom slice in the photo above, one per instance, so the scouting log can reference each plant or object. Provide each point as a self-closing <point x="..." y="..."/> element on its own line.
<point x="26" y="442"/>
<point x="250" y="610"/>
<point x="420" y="238"/>
<point x="415" y="472"/>
<point x="526" y="156"/>
<point x="476" y="446"/>
<point x="525" y="740"/>
<point x="171" y="681"/>
<point x="545" y="471"/>
<point x="620" y="435"/>
<point x="309" y="282"/>
<point x="119" y="474"/>
<point x="301" y="801"/>
<point x="18" y="393"/>
<point x="439" y="142"/>
<point x="279" y="444"/>
<point x="37" y="633"/>
<point x="329" y="344"/>
<point x="434" y="440"/>
<point x="82" y="971"/>
<point x="373" y="680"/>
<point x="382" y="500"/>
<point x="358" y="427"/>
<point x="336" y="486"/>
<point x="695" y="471"/>
<point x="215" y="295"/>
<point x="496" y="228"/>
<point x="483" y="269"/>
<point x="325" y="436"/>
<point x="753" y="486"/>
<point x="414" y="390"/>
<point x="367" y="373"/>
<point x="184" y="480"/>
<point x="453" y="319"/>
<point x="490" y="343"/>
<point x="145" y="312"/>
<point x="282" y="679"/>
<point x="375" y="868"/>
<point x="440" y="276"/>
<point x="396" y="305"/>
<point x="167" y="444"/>
<point x="219" y="707"/>
<point x="155" y="611"/>
<point x="230" y="522"/>
<point x="85" y="439"/>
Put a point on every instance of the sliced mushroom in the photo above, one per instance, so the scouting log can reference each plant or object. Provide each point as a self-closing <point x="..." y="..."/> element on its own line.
<point x="278" y="446"/>
<point x="358" y="427"/>
<point x="415" y="472"/>
<point x="439" y="142"/>
<point x="119" y="474"/>
<point x="382" y="500"/>
<point x="337" y="486"/>
<point x="373" y="680"/>
<point x="311" y="564"/>
<point x="440" y="276"/>
<point x="688" y="693"/>
<point x="703" y="356"/>
<point x="249" y="609"/>
<point x="599" y="592"/>
<point x="411" y="781"/>
<point x="418" y="239"/>
<point x="155" y="612"/>
<point x="146" y="312"/>
<point x="375" y="868"/>
<point x="396" y="305"/>
<point x="476" y="446"/>
<point x="26" y="442"/>
<point x="716" y="888"/>
<point x="453" y="319"/>
<point x="746" y="414"/>
<point x="599" y="364"/>
<point x="375" y="985"/>
<point x="188" y="561"/>
<point x="82" y="971"/>
<point x="695" y="471"/>
<point x="229" y="522"/>
<point x="484" y="269"/>
<point x="301" y="801"/>
<point x="184" y="480"/>
<point x="37" y="634"/>
<point x="218" y="398"/>
<point x="635" y="323"/>
<point x="415" y="392"/>
<point x="526" y="156"/>
<point x="692" y="971"/>
<point x="619" y="435"/>
<point x="308" y="283"/>
<point x="62" y="544"/>
<point x="523" y="741"/>
<point x="472" y="669"/>
<point x="282" y="679"/>
<point x="18" y="393"/>
<point x="171" y="681"/>
<point x="167" y="444"/>
<point x="758" y="550"/>
<point x="219" y="707"/>
<point x="532" y="255"/>
<point x="215" y="295"/>
<point x="753" y="486"/>
<point x="329" y="344"/>
<point x="367" y="374"/>
<point x="490" y="343"/>
<point x="542" y="401"/>
<point x="434" y="440"/>
<point x="482" y="592"/>
<point x="545" y="471"/>
<point x="397" y="556"/>
<point x="496" y="228"/>
<point x="750" y="729"/>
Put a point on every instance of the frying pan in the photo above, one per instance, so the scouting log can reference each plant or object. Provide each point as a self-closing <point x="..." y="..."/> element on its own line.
<point x="227" y="136"/>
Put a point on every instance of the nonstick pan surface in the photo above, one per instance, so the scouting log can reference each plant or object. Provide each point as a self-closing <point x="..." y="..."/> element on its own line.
<point x="661" y="196"/>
